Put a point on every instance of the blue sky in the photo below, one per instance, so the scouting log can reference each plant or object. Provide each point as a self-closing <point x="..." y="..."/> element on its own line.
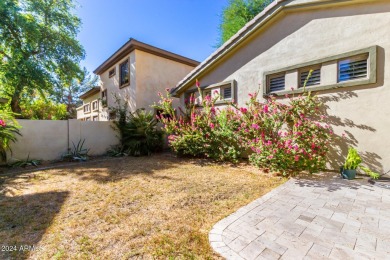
<point x="185" y="27"/>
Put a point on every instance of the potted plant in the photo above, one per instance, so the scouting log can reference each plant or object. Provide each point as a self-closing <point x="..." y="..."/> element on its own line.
<point x="353" y="161"/>
<point x="348" y="170"/>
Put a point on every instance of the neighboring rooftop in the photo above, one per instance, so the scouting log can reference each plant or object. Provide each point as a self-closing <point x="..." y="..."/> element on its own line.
<point x="90" y="92"/>
<point x="133" y="44"/>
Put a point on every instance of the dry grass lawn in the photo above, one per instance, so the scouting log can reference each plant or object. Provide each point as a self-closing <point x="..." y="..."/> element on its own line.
<point x="150" y="207"/>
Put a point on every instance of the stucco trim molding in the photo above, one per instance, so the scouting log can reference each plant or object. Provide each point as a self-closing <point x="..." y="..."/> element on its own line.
<point x="372" y="73"/>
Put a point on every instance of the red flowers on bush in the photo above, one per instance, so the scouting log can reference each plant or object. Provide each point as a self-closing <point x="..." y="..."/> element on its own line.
<point x="287" y="138"/>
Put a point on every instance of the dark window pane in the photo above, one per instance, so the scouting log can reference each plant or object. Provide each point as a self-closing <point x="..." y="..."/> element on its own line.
<point x="277" y="83"/>
<point x="124" y="73"/>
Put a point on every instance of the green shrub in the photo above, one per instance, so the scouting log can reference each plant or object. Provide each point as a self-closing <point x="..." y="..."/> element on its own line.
<point x="9" y="128"/>
<point x="138" y="132"/>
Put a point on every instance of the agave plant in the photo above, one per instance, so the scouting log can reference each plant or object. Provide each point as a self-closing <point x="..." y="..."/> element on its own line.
<point x="78" y="153"/>
<point x="9" y="129"/>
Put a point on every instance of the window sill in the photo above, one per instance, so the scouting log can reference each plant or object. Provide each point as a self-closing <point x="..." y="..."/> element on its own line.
<point x="124" y="85"/>
<point x="343" y="84"/>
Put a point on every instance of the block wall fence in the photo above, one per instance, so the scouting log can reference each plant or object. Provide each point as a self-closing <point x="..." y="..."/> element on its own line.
<point x="50" y="139"/>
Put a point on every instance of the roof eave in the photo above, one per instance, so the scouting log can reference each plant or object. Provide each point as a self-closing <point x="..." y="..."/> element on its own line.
<point x="133" y="44"/>
<point x="90" y="92"/>
<point x="249" y="29"/>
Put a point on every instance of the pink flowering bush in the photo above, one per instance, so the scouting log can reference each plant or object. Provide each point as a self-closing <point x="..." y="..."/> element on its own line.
<point x="201" y="130"/>
<point x="285" y="137"/>
<point x="8" y="131"/>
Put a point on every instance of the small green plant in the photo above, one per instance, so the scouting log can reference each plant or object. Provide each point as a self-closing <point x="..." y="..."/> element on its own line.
<point x="353" y="159"/>
<point x="25" y="163"/>
<point x="372" y="174"/>
<point x="78" y="153"/>
<point x="117" y="151"/>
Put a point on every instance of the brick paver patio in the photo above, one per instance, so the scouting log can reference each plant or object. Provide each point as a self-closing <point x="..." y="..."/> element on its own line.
<point x="309" y="219"/>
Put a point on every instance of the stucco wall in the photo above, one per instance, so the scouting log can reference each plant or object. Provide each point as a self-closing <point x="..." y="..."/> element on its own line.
<point x="92" y="113"/>
<point x="155" y="74"/>
<point x="49" y="139"/>
<point x="295" y="37"/>
<point x="127" y="93"/>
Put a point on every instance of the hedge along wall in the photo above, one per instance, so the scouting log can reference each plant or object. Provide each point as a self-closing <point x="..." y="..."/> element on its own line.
<point x="50" y="139"/>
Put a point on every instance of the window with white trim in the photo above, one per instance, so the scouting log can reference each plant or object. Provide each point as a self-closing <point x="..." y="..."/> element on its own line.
<point x="104" y="98"/>
<point x="87" y="108"/>
<point x="353" y="68"/>
<point x="95" y="105"/>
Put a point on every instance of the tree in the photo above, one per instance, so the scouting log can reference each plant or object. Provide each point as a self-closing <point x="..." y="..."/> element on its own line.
<point x="69" y="92"/>
<point x="38" y="48"/>
<point x="40" y="109"/>
<point x="236" y="15"/>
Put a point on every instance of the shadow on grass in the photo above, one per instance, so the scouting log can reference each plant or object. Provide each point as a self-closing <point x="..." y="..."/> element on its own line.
<point x="24" y="220"/>
<point x="114" y="170"/>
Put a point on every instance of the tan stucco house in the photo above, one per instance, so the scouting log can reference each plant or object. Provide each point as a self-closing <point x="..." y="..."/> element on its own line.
<point x="135" y="73"/>
<point x="346" y="44"/>
<point x="92" y="105"/>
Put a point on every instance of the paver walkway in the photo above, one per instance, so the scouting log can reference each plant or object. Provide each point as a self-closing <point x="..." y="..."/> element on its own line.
<point x="309" y="219"/>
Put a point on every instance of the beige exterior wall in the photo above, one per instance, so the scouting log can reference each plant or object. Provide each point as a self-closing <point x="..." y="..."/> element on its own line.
<point x="50" y="139"/>
<point x="149" y="74"/>
<point x="94" y="113"/>
<point x="299" y="36"/>
<point x="155" y="74"/>
<point x="127" y="93"/>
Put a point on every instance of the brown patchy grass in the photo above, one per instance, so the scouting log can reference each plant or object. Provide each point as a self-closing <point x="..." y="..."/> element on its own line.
<point x="151" y="207"/>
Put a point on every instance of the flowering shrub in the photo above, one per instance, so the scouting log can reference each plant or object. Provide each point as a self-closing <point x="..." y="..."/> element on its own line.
<point x="8" y="129"/>
<point x="285" y="137"/>
<point x="201" y="131"/>
<point x="282" y="137"/>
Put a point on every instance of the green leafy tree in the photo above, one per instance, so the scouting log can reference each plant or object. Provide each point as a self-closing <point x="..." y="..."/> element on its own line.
<point x="41" y="109"/>
<point x="38" y="48"/>
<point x="69" y="92"/>
<point x="236" y="15"/>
